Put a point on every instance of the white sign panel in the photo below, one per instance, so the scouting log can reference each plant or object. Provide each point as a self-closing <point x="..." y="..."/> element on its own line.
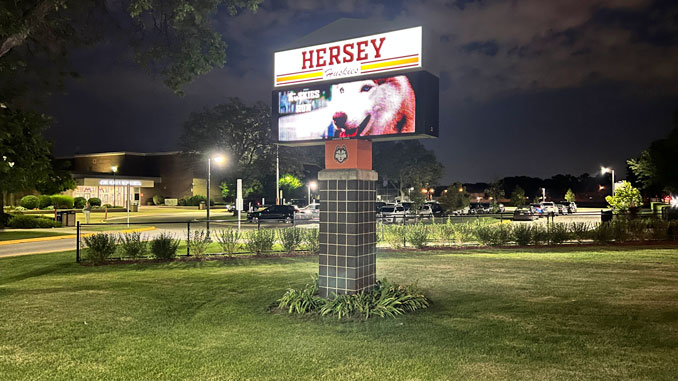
<point x="238" y="200"/>
<point x="134" y="183"/>
<point x="350" y="58"/>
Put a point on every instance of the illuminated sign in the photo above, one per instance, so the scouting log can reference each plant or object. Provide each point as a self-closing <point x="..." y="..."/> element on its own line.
<point x="376" y="108"/>
<point x="378" y="53"/>
<point x="107" y="182"/>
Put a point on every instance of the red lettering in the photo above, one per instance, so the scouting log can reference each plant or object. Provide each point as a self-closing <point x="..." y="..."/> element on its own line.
<point x="361" y="50"/>
<point x="348" y="52"/>
<point x="377" y="49"/>
<point x="306" y="60"/>
<point x="320" y="60"/>
<point x="334" y="55"/>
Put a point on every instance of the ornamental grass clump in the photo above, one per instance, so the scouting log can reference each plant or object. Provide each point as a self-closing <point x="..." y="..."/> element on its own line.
<point x="417" y="235"/>
<point x="311" y="240"/>
<point x="522" y="234"/>
<point x="132" y="245"/>
<point x="164" y="246"/>
<point x="198" y="243"/>
<point x="100" y="247"/>
<point x="260" y="241"/>
<point x="228" y="240"/>
<point x="386" y="299"/>
<point x="394" y="235"/>
<point x="290" y="238"/>
<point x="558" y="233"/>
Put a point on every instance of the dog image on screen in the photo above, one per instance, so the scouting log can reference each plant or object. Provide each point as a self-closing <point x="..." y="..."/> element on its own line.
<point x="373" y="107"/>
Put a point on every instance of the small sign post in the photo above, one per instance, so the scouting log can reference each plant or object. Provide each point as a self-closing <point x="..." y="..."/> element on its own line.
<point x="239" y="201"/>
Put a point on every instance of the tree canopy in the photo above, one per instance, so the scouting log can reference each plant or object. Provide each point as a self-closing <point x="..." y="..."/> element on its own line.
<point x="655" y="168"/>
<point x="406" y="164"/>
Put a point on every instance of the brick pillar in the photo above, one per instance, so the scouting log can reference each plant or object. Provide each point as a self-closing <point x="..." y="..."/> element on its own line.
<point x="347" y="231"/>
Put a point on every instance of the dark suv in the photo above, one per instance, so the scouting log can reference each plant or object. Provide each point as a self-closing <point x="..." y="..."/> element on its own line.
<point x="283" y="213"/>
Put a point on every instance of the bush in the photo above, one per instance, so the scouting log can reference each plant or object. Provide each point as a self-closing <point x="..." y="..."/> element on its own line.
<point x="44" y="201"/>
<point x="658" y="229"/>
<point x="385" y="300"/>
<point x="164" y="246"/>
<point x="108" y="206"/>
<point x="62" y="202"/>
<point x="603" y="233"/>
<point x="311" y="239"/>
<point x="620" y="230"/>
<point x="30" y="202"/>
<point x="198" y="243"/>
<point x="522" y="234"/>
<point x="394" y="235"/>
<point x="290" y="238"/>
<point x="100" y="247"/>
<point x="260" y="240"/>
<point x="417" y="235"/>
<point x="540" y="234"/>
<point x="132" y="245"/>
<point x="94" y="201"/>
<point x="158" y="199"/>
<point x="494" y="235"/>
<point x="79" y="202"/>
<point x="580" y="230"/>
<point x="22" y="221"/>
<point x="558" y="233"/>
<point x="228" y="240"/>
<point x="193" y="200"/>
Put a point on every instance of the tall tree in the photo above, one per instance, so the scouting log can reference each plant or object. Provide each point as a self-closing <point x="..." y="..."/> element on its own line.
<point x="455" y="197"/>
<point x="495" y="191"/>
<point x="26" y="157"/>
<point x="655" y="168"/>
<point x="174" y="38"/>
<point x="518" y="197"/>
<point x="570" y="196"/>
<point x="406" y="164"/>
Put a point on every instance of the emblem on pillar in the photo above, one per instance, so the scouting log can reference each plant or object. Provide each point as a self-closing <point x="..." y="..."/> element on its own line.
<point x="340" y="154"/>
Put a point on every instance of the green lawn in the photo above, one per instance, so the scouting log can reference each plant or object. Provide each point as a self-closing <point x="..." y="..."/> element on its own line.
<point x="12" y="235"/>
<point x="508" y="314"/>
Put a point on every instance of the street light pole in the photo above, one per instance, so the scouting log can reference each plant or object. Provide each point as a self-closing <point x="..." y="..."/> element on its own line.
<point x="604" y="170"/>
<point x="114" y="169"/>
<point x="209" y="182"/>
<point x="277" y="176"/>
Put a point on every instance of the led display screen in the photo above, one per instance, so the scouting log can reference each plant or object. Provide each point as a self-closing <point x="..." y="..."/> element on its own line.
<point x="376" y="108"/>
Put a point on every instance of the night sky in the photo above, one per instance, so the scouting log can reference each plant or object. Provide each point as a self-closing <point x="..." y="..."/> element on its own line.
<point x="529" y="87"/>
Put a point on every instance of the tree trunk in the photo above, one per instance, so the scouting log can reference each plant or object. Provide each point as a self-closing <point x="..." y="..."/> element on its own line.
<point x="33" y="17"/>
<point x="2" y="209"/>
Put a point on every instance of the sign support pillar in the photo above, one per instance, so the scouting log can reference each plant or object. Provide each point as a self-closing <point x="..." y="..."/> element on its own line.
<point x="347" y="261"/>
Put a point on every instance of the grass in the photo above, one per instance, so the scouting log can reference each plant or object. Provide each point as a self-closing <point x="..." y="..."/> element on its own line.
<point x="566" y="313"/>
<point x="13" y="235"/>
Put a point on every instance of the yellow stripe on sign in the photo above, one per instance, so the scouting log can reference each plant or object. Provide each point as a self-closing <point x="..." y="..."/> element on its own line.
<point x="315" y="74"/>
<point x="399" y="62"/>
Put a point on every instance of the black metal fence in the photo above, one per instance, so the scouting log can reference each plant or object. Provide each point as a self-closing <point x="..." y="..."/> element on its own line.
<point x="180" y="230"/>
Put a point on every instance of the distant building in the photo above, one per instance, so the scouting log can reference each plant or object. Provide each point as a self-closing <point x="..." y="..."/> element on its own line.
<point x="139" y="176"/>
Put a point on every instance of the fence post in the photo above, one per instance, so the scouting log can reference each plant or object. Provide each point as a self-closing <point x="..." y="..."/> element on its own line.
<point x="77" y="243"/>
<point x="188" y="238"/>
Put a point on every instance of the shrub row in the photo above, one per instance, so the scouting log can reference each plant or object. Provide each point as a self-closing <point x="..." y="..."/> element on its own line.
<point x="56" y="201"/>
<point x="500" y="234"/>
<point x="21" y="221"/>
<point x="102" y="246"/>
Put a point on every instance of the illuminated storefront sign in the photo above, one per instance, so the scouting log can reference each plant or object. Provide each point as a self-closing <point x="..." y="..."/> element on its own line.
<point x="111" y="182"/>
<point x="378" y="53"/>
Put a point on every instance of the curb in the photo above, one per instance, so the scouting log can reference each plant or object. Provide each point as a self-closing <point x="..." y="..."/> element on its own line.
<point x="70" y="236"/>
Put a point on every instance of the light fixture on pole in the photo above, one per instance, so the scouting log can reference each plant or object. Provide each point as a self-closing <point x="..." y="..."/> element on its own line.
<point x="115" y="170"/>
<point x="604" y="170"/>
<point x="217" y="159"/>
<point x="311" y="186"/>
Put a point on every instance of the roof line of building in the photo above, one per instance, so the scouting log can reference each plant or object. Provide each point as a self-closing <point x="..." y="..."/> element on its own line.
<point x="120" y="153"/>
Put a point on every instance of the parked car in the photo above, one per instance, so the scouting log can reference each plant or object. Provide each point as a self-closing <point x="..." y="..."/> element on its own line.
<point x="392" y="213"/>
<point x="500" y="208"/>
<point x="480" y="208"/>
<point x="549" y="207"/>
<point x="562" y="209"/>
<point x="538" y="209"/>
<point x="284" y="213"/>
<point x="426" y="211"/>
<point x="571" y="206"/>
<point x="525" y="213"/>
<point x="437" y="210"/>
<point x="309" y="212"/>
